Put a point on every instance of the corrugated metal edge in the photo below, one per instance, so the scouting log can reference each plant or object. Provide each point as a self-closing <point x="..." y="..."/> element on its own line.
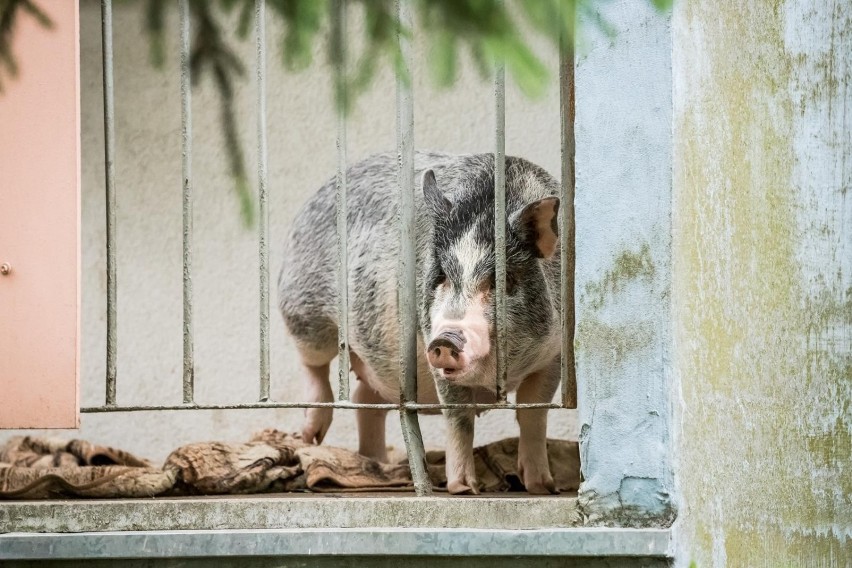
<point x="580" y="542"/>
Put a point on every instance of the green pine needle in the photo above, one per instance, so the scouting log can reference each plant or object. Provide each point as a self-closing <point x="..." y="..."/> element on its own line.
<point x="487" y="31"/>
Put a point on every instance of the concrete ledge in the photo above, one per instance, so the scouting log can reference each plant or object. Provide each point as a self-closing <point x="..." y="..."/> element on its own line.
<point x="291" y="511"/>
<point x="576" y="542"/>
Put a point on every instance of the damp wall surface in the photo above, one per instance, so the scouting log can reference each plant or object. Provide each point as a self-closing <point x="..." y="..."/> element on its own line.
<point x="623" y="275"/>
<point x="762" y="282"/>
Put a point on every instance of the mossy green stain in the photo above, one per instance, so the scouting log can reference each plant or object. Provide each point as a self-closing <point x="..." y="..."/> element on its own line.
<point x="766" y="425"/>
<point x="612" y="342"/>
<point x="627" y="266"/>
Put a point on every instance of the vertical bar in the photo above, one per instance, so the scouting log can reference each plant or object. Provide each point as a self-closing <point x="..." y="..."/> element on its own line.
<point x="500" y="224"/>
<point x="407" y="269"/>
<point x="109" y="168"/>
<point x="338" y="31"/>
<point x="566" y="236"/>
<point x="263" y="221"/>
<point x="186" y="135"/>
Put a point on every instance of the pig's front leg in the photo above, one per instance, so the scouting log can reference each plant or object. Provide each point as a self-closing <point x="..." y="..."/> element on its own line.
<point x="317" y="389"/>
<point x="532" y="447"/>
<point x="461" y="472"/>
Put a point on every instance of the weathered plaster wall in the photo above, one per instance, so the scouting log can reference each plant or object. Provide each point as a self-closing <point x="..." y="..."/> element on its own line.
<point x="302" y="156"/>
<point x="623" y="209"/>
<point x="762" y="281"/>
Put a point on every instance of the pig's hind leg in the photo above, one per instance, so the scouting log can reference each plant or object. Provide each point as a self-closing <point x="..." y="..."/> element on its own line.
<point x="533" y="466"/>
<point x="315" y="336"/>
<point x="371" y="422"/>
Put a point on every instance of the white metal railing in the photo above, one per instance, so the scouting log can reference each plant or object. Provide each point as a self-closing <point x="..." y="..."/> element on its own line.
<point x="408" y="406"/>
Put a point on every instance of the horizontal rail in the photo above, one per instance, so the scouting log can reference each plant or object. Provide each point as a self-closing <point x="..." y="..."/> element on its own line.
<point x="342" y="405"/>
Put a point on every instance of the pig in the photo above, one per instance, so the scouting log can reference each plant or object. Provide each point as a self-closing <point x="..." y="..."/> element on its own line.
<point x="454" y="215"/>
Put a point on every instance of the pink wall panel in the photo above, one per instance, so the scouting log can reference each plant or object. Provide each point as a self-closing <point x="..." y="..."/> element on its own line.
<point x="40" y="225"/>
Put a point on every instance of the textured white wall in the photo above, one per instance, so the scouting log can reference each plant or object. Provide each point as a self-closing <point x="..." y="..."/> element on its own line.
<point x="301" y="157"/>
<point x="623" y="205"/>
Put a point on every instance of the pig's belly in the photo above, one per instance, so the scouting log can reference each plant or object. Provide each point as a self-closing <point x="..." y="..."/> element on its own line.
<point x="387" y="387"/>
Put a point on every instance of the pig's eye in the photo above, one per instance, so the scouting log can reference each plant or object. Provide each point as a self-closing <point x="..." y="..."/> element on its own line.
<point x="440" y="278"/>
<point x="511" y="282"/>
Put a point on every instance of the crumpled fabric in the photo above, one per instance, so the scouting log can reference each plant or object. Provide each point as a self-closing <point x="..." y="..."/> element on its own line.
<point x="270" y="462"/>
<point x="41" y="468"/>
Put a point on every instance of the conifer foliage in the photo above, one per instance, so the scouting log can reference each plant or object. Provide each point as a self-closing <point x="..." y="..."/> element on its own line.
<point x="487" y="31"/>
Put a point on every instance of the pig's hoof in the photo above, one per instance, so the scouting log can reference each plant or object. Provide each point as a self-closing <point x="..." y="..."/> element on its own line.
<point x="542" y="484"/>
<point x="538" y="482"/>
<point x="541" y="487"/>
<point x="317" y="423"/>
<point x="463" y="485"/>
<point x="458" y="487"/>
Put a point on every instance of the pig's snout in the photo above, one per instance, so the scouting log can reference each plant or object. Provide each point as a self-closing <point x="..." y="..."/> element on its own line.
<point x="445" y="351"/>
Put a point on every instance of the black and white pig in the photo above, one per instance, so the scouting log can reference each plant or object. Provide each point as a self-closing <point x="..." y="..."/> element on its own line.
<point x="455" y="279"/>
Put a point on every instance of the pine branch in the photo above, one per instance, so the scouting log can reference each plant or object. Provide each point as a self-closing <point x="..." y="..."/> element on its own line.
<point x="488" y="30"/>
<point x="211" y="53"/>
<point x="9" y="10"/>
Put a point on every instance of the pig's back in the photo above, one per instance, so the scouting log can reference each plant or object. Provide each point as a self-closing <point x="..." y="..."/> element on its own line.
<point x="308" y="284"/>
<point x="308" y="280"/>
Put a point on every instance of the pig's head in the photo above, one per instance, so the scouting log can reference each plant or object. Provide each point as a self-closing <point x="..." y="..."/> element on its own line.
<point x="459" y="280"/>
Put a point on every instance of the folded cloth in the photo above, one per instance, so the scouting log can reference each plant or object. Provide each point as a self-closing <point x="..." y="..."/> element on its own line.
<point x="271" y="461"/>
<point x="31" y="451"/>
<point x="99" y="481"/>
<point x="40" y="468"/>
<point x="266" y="463"/>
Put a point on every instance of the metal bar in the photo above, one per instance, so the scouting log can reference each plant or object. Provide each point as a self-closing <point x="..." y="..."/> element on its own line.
<point x="407" y="272"/>
<point x="263" y="221"/>
<point x="566" y="236"/>
<point x="500" y="224"/>
<point x="338" y="30"/>
<point x="186" y="136"/>
<point x="343" y="405"/>
<point x="407" y="257"/>
<point x="109" y="170"/>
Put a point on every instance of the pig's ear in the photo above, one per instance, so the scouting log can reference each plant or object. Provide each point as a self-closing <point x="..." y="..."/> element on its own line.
<point x="536" y="225"/>
<point x="439" y="206"/>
